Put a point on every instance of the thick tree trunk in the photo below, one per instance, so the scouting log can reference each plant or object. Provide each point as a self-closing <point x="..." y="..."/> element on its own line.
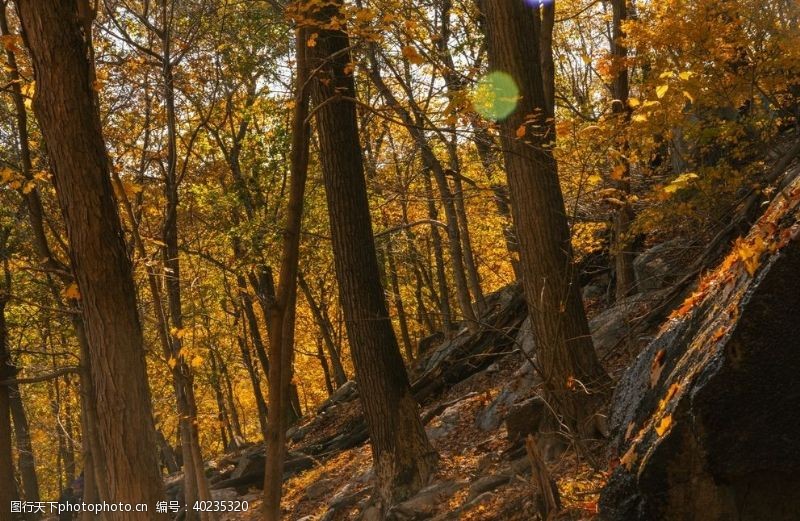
<point x="402" y="456"/>
<point x="574" y="378"/>
<point x="57" y="34"/>
<point x="623" y="253"/>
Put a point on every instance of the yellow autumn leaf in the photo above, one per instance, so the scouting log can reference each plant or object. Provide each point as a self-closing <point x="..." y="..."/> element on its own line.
<point x="6" y="175"/>
<point x="640" y="118"/>
<point x="661" y="90"/>
<point x="71" y="292"/>
<point x="680" y="182"/>
<point x="364" y="15"/>
<point x="197" y="361"/>
<point x="411" y="54"/>
<point x="634" y="102"/>
<point x="685" y="75"/>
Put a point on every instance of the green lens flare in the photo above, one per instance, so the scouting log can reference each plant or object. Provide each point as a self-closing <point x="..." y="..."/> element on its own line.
<point x="495" y="96"/>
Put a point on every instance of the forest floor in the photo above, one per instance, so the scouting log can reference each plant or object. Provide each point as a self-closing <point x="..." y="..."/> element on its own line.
<point x="483" y="475"/>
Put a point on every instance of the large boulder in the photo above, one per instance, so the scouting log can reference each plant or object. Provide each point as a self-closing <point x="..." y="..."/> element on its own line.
<point x="706" y="423"/>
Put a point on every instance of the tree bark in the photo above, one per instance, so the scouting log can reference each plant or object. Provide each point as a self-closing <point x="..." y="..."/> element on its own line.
<point x="8" y="492"/>
<point x="58" y="37"/>
<point x="574" y="380"/>
<point x="282" y="311"/>
<point x="623" y="253"/>
<point x="403" y="459"/>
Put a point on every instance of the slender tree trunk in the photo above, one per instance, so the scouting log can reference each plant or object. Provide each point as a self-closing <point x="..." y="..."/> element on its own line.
<point x="59" y="39"/>
<point x="261" y="404"/>
<point x="167" y="453"/>
<point x="402" y="456"/>
<point x="8" y="491"/>
<point x="548" y="22"/>
<point x="397" y="299"/>
<point x="326" y="332"/>
<point x="623" y="253"/>
<point x="323" y="363"/>
<point x="438" y="256"/>
<point x="282" y="311"/>
<point x="455" y="84"/>
<point x="574" y="379"/>
<point x="226" y="430"/>
<point x="236" y="424"/>
<point x="433" y="165"/>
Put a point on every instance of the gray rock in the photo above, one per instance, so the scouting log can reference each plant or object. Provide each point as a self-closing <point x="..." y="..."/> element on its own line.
<point x="703" y="419"/>
<point x="524" y="418"/>
<point x="425" y="502"/>
<point x="656" y="268"/>
<point x="225" y="494"/>
<point x="486" y="484"/>
<point x="319" y="488"/>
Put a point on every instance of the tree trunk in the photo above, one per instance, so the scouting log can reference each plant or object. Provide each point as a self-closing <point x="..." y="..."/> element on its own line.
<point x="397" y="299"/>
<point x="623" y="253"/>
<point x="402" y="457"/>
<point x="247" y="360"/>
<point x="574" y="379"/>
<point x="438" y="256"/>
<point x="433" y="165"/>
<point x="326" y="331"/>
<point x="8" y="491"/>
<point x="282" y="311"/>
<point x="58" y="36"/>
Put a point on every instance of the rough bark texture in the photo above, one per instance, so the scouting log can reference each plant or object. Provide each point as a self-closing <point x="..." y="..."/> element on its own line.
<point x="403" y="458"/>
<point x="567" y="360"/>
<point x="66" y="106"/>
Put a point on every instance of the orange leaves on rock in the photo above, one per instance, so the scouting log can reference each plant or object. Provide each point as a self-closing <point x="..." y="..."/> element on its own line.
<point x="628" y="460"/>
<point x="749" y="252"/>
<point x="664" y="425"/>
